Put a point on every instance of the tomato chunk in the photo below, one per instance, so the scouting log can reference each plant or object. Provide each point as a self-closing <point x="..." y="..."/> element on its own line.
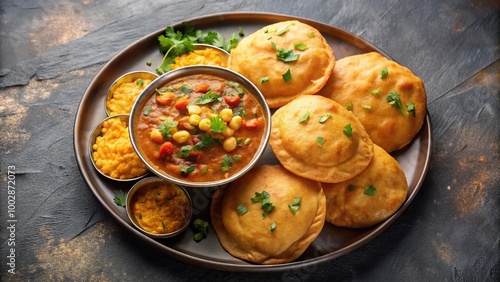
<point x="165" y="99"/>
<point x="251" y="123"/>
<point x="181" y="104"/>
<point x="202" y="88"/>
<point x="232" y="101"/>
<point x="166" y="149"/>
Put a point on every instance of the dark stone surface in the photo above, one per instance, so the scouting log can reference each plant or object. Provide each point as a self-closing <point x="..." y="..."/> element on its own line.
<point x="51" y="50"/>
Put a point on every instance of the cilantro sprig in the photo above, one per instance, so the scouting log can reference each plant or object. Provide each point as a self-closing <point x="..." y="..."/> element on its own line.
<point x="120" y="198"/>
<point x="265" y="202"/>
<point x="175" y="42"/>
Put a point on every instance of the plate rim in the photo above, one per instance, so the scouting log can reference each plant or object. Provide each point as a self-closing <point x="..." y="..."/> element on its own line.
<point x="248" y="267"/>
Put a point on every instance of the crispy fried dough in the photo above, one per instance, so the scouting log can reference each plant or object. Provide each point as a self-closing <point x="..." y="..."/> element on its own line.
<point x="317" y="148"/>
<point x="370" y="197"/>
<point x="248" y="235"/>
<point x="358" y="80"/>
<point x="255" y="57"/>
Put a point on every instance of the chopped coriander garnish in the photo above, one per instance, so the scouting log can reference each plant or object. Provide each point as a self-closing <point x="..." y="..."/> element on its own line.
<point x="324" y="118"/>
<point x="395" y="100"/>
<point x="285" y="29"/>
<point x="375" y="92"/>
<point x="242" y="209"/>
<point x="300" y="46"/>
<point x="304" y="117"/>
<point x="410" y="107"/>
<point x="201" y="229"/>
<point x="265" y="202"/>
<point x="204" y="170"/>
<point x="237" y="158"/>
<point x="370" y="191"/>
<point x="167" y="126"/>
<point x="287" y="76"/>
<point x="273" y="45"/>
<point x="147" y="110"/>
<point x="296" y="205"/>
<point x="349" y="106"/>
<point x="148" y="63"/>
<point x="384" y="73"/>
<point x="187" y="170"/>
<point x="217" y="124"/>
<point x="320" y="140"/>
<point x="287" y="55"/>
<point x="206" y="141"/>
<point x="185" y="89"/>
<point x="273" y="226"/>
<point x="348" y="130"/>
<point x="264" y="79"/>
<point x="236" y="86"/>
<point x="241" y="33"/>
<point x="140" y="82"/>
<point x="247" y="141"/>
<point x="209" y="97"/>
<point x="351" y="187"/>
<point x="120" y="198"/>
<point x="227" y="162"/>
<point x="312" y="35"/>
<point x="368" y="107"/>
<point x="185" y="151"/>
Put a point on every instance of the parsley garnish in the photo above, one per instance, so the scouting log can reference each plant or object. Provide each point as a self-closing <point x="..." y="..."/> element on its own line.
<point x="285" y="29"/>
<point x="227" y="163"/>
<point x="375" y="92"/>
<point x="236" y="86"/>
<point x="242" y="209"/>
<point x="395" y="100"/>
<point x="296" y="205"/>
<point x="201" y="229"/>
<point x="324" y="118"/>
<point x="147" y="110"/>
<point x="187" y="169"/>
<point x="320" y="140"/>
<point x="349" y="106"/>
<point x="370" y="191"/>
<point x="120" y="198"/>
<point x="217" y="124"/>
<point x="265" y="202"/>
<point x="304" y="117"/>
<point x="411" y="108"/>
<point x="287" y="76"/>
<point x="273" y="226"/>
<point x="384" y="73"/>
<point x="166" y="127"/>
<point x="140" y="82"/>
<point x="264" y="79"/>
<point x="287" y="55"/>
<point x="300" y="46"/>
<point x="209" y="97"/>
<point x="206" y="141"/>
<point x="348" y="130"/>
<point x="185" y="151"/>
<point x="368" y="107"/>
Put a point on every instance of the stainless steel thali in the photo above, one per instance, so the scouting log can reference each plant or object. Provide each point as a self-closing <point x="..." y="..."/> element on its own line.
<point x="332" y="241"/>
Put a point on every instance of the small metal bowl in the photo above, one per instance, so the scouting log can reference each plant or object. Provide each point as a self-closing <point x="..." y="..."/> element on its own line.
<point x="183" y="196"/>
<point x="97" y="132"/>
<point x="224" y="73"/>
<point x="126" y="78"/>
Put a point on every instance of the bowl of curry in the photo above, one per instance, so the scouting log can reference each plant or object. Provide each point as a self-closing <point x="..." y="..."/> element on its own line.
<point x="200" y="126"/>
<point x="158" y="208"/>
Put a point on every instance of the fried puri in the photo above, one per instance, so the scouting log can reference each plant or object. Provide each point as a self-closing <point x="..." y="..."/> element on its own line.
<point x="370" y="197"/>
<point x="277" y="236"/>
<point x="370" y="84"/>
<point x="257" y="57"/>
<point x="317" y="138"/>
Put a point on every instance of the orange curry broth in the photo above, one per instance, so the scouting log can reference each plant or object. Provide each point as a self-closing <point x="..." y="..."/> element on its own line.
<point x="207" y="163"/>
<point x="160" y="207"/>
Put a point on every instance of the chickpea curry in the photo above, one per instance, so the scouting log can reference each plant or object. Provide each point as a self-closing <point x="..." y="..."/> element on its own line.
<point x="200" y="128"/>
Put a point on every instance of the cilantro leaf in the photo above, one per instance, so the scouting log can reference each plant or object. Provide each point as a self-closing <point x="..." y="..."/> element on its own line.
<point x="217" y="124"/>
<point x="167" y="126"/>
<point x="304" y="117"/>
<point x="324" y="118"/>
<point x="186" y="170"/>
<point x="120" y="198"/>
<point x="206" y="141"/>
<point x="287" y="76"/>
<point x="296" y="205"/>
<point x="273" y="226"/>
<point x="227" y="163"/>
<point x="265" y="202"/>
<point x="242" y="209"/>
<point x="395" y="100"/>
<point x="320" y="140"/>
<point x="287" y="55"/>
<point x="383" y="73"/>
<point x="348" y="130"/>
<point x="370" y="191"/>
<point x="209" y="97"/>
<point x="410" y="107"/>
<point x="201" y="229"/>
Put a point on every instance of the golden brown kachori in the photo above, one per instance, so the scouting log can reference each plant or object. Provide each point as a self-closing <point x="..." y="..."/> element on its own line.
<point x="267" y="238"/>
<point x="370" y="197"/>
<point x="281" y="80"/>
<point x="370" y="85"/>
<point x="310" y="136"/>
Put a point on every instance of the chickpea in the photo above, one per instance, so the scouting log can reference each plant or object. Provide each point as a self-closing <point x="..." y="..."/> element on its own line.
<point x="194" y="119"/>
<point x="228" y="132"/>
<point x="156" y="136"/>
<point x="229" y="144"/>
<point x="181" y="136"/>
<point x="205" y="125"/>
<point x="226" y="114"/>
<point x="235" y="122"/>
<point x="194" y="109"/>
